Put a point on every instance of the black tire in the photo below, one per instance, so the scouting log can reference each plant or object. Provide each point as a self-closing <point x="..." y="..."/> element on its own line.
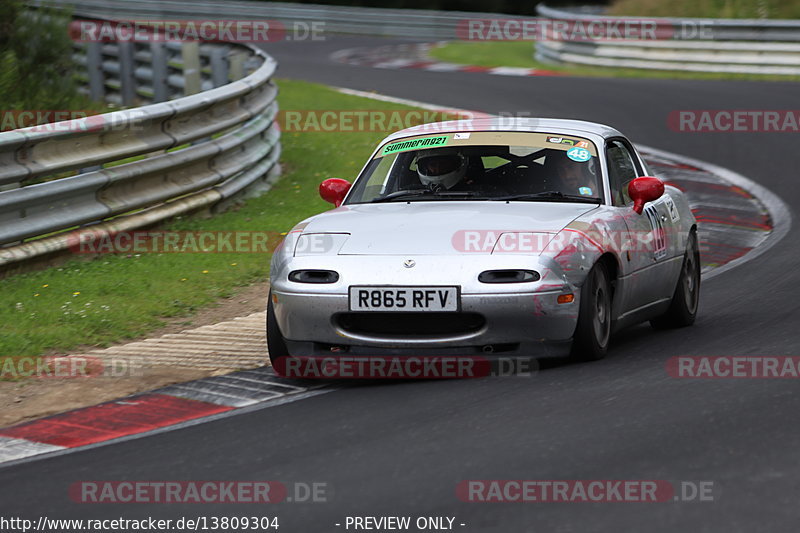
<point x="593" y="332"/>
<point x="275" y="342"/>
<point x="686" y="298"/>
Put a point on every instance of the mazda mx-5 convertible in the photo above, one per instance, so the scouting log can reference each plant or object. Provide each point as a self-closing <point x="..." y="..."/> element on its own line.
<point x="504" y="236"/>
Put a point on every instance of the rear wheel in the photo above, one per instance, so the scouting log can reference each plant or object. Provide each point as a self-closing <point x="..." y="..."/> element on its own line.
<point x="278" y="352"/>
<point x="593" y="332"/>
<point x="685" y="301"/>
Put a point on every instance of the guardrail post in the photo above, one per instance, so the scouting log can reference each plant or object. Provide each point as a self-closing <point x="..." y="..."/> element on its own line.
<point x="159" y="65"/>
<point x="219" y="65"/>
<point x="190" y="53"/>
<point x="126" y="72"/>
<point x="94" y="69"/>
<point x="236" y="66"/>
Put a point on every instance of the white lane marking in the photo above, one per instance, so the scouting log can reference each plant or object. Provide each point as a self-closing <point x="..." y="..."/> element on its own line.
<point x="12" y="449"/>
<point x="443" y="67"/>
<point x="394" y="63"/>
<point x="779" y="212"/>
<point x="511" y="71"/>
<point x="215" y="395"/>
<point x="393" y="99"/>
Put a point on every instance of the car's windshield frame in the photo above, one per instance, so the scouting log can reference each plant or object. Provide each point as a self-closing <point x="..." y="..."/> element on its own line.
<point x="596" y="142"/>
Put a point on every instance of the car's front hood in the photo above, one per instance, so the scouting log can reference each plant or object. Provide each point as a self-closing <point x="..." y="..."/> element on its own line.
<point x="439" y="227"/>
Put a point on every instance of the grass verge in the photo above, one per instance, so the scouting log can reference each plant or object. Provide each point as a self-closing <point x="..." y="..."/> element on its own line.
<point x="520" y="54"/>
<point x="117" y="297"/>
<point x="748" y="9"/>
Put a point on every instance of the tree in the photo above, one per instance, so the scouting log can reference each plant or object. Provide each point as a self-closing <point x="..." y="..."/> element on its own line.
<point x="36" y="68"/>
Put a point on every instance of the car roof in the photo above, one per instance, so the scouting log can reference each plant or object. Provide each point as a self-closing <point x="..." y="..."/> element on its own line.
<point x="528" y="124"/>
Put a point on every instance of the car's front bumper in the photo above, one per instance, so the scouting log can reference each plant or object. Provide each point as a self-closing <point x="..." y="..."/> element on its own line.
<point x="510" y="322"/>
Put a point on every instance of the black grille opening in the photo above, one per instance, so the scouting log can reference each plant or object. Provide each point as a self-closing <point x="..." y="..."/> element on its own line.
<point x="508" y="276"/>
<point x="314" y="276"/>
<point x="393" y="324"/>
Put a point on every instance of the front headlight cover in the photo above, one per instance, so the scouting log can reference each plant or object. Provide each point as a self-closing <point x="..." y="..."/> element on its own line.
<point x="323" y="244"/>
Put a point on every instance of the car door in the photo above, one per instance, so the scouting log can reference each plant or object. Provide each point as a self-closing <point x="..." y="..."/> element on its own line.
<point x="647" y="239"/>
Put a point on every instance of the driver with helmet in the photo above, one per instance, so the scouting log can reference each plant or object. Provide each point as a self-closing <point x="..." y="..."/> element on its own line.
<point x="442" y="169"/>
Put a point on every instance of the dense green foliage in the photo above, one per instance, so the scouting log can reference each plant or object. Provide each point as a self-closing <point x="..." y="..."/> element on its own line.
<point x="36" y="70"/>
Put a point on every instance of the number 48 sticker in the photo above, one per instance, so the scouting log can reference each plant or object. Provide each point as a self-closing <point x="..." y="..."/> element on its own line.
<point x="581" y="155"/>
<point x="673" y="210"/>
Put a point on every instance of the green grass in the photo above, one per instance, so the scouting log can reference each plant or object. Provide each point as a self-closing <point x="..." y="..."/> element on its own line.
<point x="489" y="54"/>
<point x="755" y="9"/>
<point x="520" y="54"/>
<point x="116" y="297"/>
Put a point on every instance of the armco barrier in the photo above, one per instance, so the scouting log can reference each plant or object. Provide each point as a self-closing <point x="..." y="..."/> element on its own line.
<point x="734" y="46"/>
<point x="191" y="152"/>
<point x="737" y="46"/>
<point x="130" y="72"/>
<point x="410" y="23"/>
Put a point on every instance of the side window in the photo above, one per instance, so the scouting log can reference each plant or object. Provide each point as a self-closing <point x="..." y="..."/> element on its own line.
<point x="621" y="170"/>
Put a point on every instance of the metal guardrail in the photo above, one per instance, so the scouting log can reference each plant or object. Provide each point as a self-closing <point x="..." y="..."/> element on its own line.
<point x="126" y="73"/>
<point x="408" y="23"/>
<point x="736" y="46"/>
<point x="411" y="23"/>
<point x="139" y="166"/>
<point x="765" y="30"/>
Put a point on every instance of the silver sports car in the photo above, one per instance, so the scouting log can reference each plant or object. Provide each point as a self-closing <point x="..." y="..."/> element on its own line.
<point x="494" y="236"/>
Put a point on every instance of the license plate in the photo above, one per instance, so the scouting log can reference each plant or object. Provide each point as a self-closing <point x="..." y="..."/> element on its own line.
<point x="404" y="299"/>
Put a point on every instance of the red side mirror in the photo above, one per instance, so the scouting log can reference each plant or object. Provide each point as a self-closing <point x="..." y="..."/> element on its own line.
<point x="333" y="190"/>
<point x="643" y="190"/>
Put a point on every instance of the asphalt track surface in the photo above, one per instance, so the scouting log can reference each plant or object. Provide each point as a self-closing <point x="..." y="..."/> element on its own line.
<point x="401" y="448"/>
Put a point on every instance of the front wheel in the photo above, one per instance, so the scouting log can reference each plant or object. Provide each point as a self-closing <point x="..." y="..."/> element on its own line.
<point x="686" y="299"/>
<point x="593" y="331"/>
<point x="276" y="346"/>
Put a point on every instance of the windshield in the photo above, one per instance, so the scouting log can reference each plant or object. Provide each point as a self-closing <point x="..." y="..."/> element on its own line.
<point x="482" y="166"/>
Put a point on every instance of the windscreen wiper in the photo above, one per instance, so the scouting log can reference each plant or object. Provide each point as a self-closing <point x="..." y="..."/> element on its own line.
<point x="549" y="196"/>
<point x="422" y="192"/>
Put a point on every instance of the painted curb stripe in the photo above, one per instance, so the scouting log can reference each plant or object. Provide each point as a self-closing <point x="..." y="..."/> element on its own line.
<point x="111" y="420"/>
<point x="731" y="222"/>
<point x="386" y="57"/>
<point x="12" y="449"/>
<point x="156" y="411"/>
